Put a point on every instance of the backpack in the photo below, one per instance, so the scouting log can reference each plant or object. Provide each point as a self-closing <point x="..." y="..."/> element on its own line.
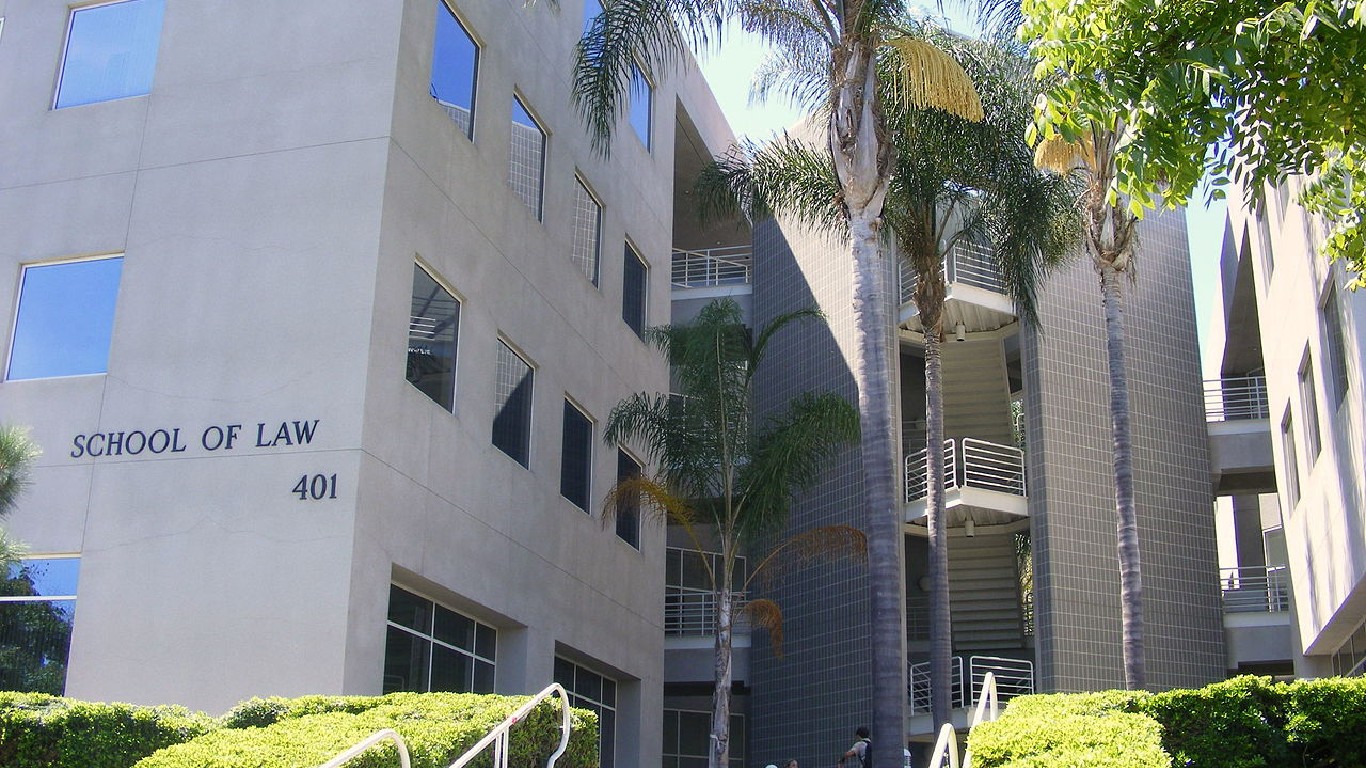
<point x="866" y="759"/>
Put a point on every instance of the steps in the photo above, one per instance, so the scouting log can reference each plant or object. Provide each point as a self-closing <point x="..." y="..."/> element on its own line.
<point x="984" y="595"/>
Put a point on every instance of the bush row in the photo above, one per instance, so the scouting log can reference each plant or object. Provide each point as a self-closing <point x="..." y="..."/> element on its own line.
<point x="41" y="731"/>
<point x="1246" y="722"/>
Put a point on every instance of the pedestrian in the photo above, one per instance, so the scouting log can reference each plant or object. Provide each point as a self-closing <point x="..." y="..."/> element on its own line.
<point x="861" y="748"/>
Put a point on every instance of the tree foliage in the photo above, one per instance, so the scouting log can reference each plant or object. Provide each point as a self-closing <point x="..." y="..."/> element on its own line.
<point x="1241" y="90"/>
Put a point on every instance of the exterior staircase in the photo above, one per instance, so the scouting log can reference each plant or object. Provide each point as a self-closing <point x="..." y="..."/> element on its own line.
<point x="984" y="595"/>
<point x="976" y="391"/>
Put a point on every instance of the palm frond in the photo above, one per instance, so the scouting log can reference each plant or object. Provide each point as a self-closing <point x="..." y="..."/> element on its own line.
<point x="651" y="499"/>
<point x="928" y="77"/>
<point x="627" y="33"/>
<point x="766" y="615"/>
<point x="778" y="323"/>
<point x="826" y="543"/>
<point x="17" y="452"/>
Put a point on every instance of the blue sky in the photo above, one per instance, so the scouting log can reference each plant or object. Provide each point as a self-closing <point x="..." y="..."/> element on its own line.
<point x="730" y="68"/>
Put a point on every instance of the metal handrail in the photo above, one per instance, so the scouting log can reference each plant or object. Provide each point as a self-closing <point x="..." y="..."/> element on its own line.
<point x="967" y="262"/>
<point x="1255" y="589"/>
<point x="708" y="267"/>
<point x="497" y="738"/>
<point x="987" y="465"/>
<point x="1009" y="678"/>
<point x="692" y="612"/>
<point x="1236" y="398"/>
<point x="987" y="710"/>
<point x="385" y="734"/>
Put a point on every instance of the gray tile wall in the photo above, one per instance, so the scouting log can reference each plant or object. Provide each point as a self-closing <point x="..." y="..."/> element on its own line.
<point x="1071" y="492"/>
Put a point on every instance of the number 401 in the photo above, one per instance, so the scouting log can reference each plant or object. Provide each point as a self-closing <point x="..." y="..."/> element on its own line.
<point x="316" y="487"/>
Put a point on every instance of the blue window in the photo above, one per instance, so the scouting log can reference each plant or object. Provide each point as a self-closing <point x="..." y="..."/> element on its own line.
<point x="526" y="172"/>
<point x="37" y="608"/>
<point x="591" y="10"/>
<point x="455" y="68"/>
<point x="642" y="104"/>
<point x="65" y="319"/>
<point x="111" y="52"/>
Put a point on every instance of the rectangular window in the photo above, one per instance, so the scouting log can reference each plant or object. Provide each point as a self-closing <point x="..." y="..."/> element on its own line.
<point x="526" y="172"/>
<point x="576" y="456"/>
<point x="65" y="318"/>
<point x="512" y="405"/>
<point x="642" y="104"/>
<point x="455" y="68"/>
<point x="429" y="647"/>
<point x="433" y="329"/>
<point x="111" y="52"/>
<point x="1262" y="214"/>
<point x="687" y="739"/>
<point x="1309" y="407"/>
<point x="628" y="512"/>
<point x="587" y="231"/>
<point x="37" y="610"/>
<point x="1292" y="464"/>
<point x="591" y="10"/>
<point x="595" y="692"/>
<point x="633" y="282"/>
<point x="1337" y="346"/>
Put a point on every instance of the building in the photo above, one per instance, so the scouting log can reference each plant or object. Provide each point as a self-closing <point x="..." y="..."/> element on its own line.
<point x="1292" y="365"/>
<point x="315" y="309"/>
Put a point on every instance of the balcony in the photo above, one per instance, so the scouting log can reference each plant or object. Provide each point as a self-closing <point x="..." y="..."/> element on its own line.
<point x="1238" y="417"/>
<point x="1255" y="589"/>
<point x="984" y="483"/>
<point x="1257" y="616"/>
<point x="976" y="293"/>
<point x="729" y="267"/>
<point x="692" y="612"/>
<point x="1014" y="677"/>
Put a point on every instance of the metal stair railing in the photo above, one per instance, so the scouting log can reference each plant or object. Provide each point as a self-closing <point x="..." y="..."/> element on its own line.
<point x="979" y="464"/>
<point x="497" y="738"/>
<point x="986" y="711"/>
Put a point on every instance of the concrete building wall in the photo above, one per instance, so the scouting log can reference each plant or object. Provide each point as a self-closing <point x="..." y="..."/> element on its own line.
<point x="1322" y="495"/>
<point x="1071" y="496"/>
<point x="271" y="195"/>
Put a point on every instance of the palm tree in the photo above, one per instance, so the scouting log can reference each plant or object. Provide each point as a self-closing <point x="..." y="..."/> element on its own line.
<point x="17" y="452"/>
<point x="1109" y="234"/>
<point x="841" y="37"/>
<point x="725" y="479"/>
<point x="955" y="181"/>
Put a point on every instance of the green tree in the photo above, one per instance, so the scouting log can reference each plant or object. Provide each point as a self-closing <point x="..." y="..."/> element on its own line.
<point x="842" y="38"/>
<point x="33" y="635"/>
<point x="724" y="478"/>
<point x="955" y="181"/>
<point x="1249" y="90"/>
<point x="17" y="452"/>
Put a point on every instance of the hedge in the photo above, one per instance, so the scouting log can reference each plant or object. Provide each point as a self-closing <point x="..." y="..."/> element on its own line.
<point x="1246" y="722"/>
<point x="437" y="727"/>
<point x="42" y="731"/>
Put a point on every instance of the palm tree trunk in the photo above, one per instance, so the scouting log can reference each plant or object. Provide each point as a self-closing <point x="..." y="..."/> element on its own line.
<point x="1126" y="516"/>
<point x="720" y="699"/>
<point x="941" y="641"/>
<point x="862" y="159"/>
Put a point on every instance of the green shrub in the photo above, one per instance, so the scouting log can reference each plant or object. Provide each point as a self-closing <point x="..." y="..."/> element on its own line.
<point x="1238" y="723"/>
<point x="438" y="728"/>
<point x="1327" y="721"/>
<point x="1037" y="738"/>
<point x="42" y="731"/>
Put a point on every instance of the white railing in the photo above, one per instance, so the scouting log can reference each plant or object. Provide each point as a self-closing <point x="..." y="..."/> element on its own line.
<point x="1255" y="589"/>
<point x="712" y="267"/>
<point x="692" y="612"/>
<point x="971" y="463"/>
<point x="987" y="710"/>
<point x="966" y="263"/>
<point x="1012" y="677"/>
<point x="496" y="738"/>
<point x="1236" y="398"/>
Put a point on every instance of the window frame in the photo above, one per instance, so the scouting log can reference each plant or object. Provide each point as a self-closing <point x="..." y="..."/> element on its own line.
<point x="433" y="641"/>
<point x="7" y="373"/>
<point x="1309" y="407"/>
<point x="72" y="11"/>
<point x="518" y="100"/>
<point x="1330" y="318"/>
<point x="630" y="251"/>
<point x="528" y="429"/>
<point x="1292" y="465"/>
<point x="71" y="599"/>
<point x="474" y="74"/>
<point x="459" y="300"/>
<point x="570" y="405"/>
<point x="628" y="522"/>
<point x="638" y="75"/>
<point x="596" y="277"/>
<point x="576" y="699"/>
